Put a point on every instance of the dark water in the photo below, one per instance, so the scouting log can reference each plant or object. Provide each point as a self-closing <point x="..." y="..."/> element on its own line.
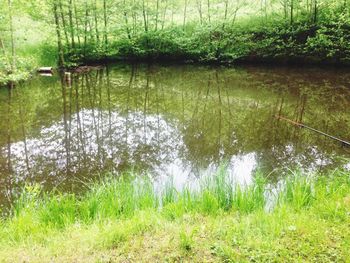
<point x="180" y="121"/>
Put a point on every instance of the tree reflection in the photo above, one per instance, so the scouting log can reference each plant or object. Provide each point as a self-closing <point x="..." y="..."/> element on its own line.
<point x="182" y="121"/>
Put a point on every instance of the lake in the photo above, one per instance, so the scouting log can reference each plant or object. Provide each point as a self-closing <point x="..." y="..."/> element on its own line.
<point x="179" y="121"/>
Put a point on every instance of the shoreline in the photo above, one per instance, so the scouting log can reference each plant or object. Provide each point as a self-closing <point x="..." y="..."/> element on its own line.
<point x="120" y="221"/>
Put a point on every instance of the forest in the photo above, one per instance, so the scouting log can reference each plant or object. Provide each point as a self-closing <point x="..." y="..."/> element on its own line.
<point x="74" y="32"/>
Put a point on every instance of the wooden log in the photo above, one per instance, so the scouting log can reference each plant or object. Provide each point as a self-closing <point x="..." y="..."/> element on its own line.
<point x="46" y="74"/>
<point x="68" y="77"/>
<point x="45" y="70"/>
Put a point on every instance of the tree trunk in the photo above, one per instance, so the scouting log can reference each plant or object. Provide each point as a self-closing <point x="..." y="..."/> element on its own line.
<point x="225" y="15"/>
<point x="134" y="20"/>
<point x="291" y="11"/>
<point x="285" y="9"/>
<point x="199" y="6"/>
<point x="105" y="24"/>
<point x="71" y="25"/>
<point x="315" y="11"/>
<point x="77" y="23"/>
<point x="144" y="15"/>
<point x="59" y="39"/>
<point x="86" y="27"/>
<point x="208" y="10"/>
<point x="235" y="15"/>
<point x="13" y="53"/>
<point x="91" y="29"/>
<point x="157" y="15"/>
<point x="164" y="14"/>
<point x="64" y="25"/>
<point x="96" y="23"/>
<point x="185" y="12"/>
<point x="126" y="21"/>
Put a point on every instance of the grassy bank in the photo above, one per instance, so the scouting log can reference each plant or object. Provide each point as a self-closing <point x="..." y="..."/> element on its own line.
<point x="28" y="59"/>
<point x="117" y="220"/>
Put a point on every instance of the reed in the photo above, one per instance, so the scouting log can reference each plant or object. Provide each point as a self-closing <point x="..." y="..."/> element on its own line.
<point x="118" y="208"/>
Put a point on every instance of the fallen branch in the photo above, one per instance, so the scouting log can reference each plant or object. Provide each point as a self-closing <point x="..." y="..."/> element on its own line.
<point x="301" y="125"/>
<point x="45" y="70"/>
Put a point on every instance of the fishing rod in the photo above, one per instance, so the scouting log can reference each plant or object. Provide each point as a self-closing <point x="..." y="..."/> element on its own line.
<point x="301" y="125"/>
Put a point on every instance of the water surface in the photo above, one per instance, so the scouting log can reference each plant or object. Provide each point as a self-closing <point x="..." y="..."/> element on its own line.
<point x="179" y="121"/>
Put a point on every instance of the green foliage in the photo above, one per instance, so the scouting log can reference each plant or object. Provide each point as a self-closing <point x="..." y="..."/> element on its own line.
<point x="186" y="241"/>
<point x="191" y="31"/>
<point x="297" y="191"/>
<point x="299" y="43"/>
<point x="122" y="197"/>
<point x="309" y="221"/>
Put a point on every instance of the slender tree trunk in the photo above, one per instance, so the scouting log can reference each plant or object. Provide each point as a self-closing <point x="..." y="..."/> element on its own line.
<point x="64" y="25"/>
<point x="71" y="24"/>
<point x="185" y="12"/>
<point x="315" y="11"/>
<point x="291" y="11"/>
<point x="147" y="15"/>
<point x="105" y="24"/>
<point x="86" y="26"/>
<point x="199" y="6"/>
<point x="134" y="21"/>
<point x="59" y="38"/>
<point x="77" y="23"/>
<point x="225" y="14"/>
<point x="208" y="10"/>
<point x="157" y="14"/>
<point x="96" y="23"/>
<point x="91" y="30"/>
<point x="235" y="15"/>
<point x="285" y="9"/>
<point x="126" y="21"/>
<point x="144" y="15"/>
<point x="226" y="10"/>
<point x="13" y="53"/>
<point x="164" y="13"/>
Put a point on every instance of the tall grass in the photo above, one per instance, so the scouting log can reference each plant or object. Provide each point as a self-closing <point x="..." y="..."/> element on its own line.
<point x="37" y="213"/>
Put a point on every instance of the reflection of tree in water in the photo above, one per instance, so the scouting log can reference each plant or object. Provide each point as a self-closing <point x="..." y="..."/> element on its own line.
<point x="143" y="146"/>
<point x="176" y="119"/>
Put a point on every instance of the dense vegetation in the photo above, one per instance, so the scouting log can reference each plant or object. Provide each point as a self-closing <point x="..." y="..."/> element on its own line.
<point x="301" y="219"/>
<point x="72" y="32"/>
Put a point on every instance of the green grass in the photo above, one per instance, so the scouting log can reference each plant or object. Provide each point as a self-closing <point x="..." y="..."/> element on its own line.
<point x="28" y="59"/>
<point x="121" y="219"/>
